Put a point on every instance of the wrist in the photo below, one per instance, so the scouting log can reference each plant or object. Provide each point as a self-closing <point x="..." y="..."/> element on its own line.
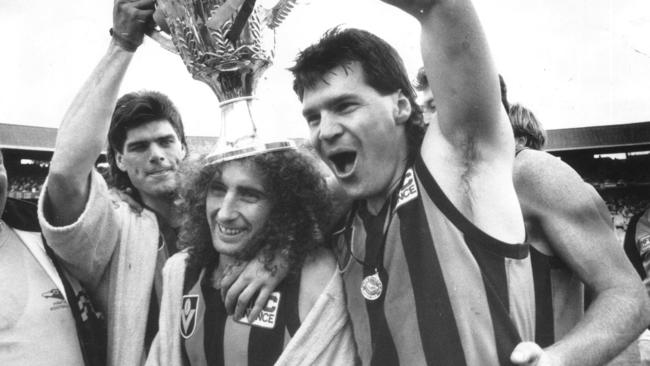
<point x="123" y="42"/>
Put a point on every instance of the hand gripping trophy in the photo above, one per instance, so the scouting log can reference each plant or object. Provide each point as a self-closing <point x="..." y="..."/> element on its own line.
<point x="228" y="44"/>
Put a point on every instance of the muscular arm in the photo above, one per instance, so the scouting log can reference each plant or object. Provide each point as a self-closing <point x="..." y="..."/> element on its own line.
<point x="564" y="218"/>
<point x="82" y="133"/>
<point x="464" y="80"/>
<point x="470" y="150"/>
<point x="81" y="136"/>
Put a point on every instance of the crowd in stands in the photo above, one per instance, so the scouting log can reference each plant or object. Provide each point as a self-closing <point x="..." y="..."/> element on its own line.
<point x="25" y="187"/>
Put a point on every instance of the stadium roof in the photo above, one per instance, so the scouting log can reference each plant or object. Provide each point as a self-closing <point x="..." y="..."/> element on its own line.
<point x="23" y="137"/>
<point x="27" y="137"/>
<point x="631" y="136"/>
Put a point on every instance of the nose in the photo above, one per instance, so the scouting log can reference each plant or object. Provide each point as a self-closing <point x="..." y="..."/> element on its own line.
<point x="156" y="153"/>
<point x="228" y="210"/>
<point x="329" y="127"/>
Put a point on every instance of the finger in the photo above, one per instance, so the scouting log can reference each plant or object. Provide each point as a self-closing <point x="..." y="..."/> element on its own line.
<point x="233" y="294"/>
<point x="526" y="353"/>
<point x="260" y="302"/>
<point x="243" y="301"/>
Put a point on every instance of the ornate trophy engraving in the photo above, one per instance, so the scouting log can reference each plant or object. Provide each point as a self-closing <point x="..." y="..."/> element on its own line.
<point x="227" y="44"/>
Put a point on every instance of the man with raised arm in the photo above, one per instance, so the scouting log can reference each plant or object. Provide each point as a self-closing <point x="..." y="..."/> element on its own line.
<point x="432" y="255"/>
<point x="116" y="252"/>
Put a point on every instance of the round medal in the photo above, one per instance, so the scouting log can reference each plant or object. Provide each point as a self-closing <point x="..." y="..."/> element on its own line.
<point x="371" y="287"/>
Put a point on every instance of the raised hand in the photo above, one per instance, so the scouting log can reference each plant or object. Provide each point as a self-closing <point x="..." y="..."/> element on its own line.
<point x="131" y="20"/>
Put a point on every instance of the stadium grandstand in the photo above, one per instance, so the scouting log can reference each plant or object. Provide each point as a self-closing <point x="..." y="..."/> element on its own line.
<point x="615" y="159"/>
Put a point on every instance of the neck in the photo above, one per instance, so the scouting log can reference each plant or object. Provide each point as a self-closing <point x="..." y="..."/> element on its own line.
<point x="164" y="207"/>
<point x="224" y="263"/>
<point x="375" y="203"/>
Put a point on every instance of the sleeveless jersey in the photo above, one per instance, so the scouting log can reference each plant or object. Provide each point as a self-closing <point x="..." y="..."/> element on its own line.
<point x="452" y="295"/>
<point x="210" y="337"/>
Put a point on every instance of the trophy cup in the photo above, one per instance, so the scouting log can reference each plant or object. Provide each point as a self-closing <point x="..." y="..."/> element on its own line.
<point x="227" y="44"/>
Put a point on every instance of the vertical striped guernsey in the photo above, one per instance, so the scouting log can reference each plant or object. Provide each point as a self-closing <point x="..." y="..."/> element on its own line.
<point x="216" y="339"/>
<point x="453" y="295"/>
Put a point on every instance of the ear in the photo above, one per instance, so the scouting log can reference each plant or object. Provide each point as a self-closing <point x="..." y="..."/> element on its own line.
<point x="402" y="109"/>
<point x="521" y="140"/>
<point x="119" y="161"/>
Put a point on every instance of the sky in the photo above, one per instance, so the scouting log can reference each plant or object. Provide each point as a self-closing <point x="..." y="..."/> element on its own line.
<point x="574" y="63"/>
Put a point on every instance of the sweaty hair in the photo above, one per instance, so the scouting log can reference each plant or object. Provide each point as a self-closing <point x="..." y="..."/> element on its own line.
<point x="525" y="124"/>
<point x="299" y="213"/>
<point x="422" y="82"/>
<point x="383" y="70"/>
<point x="134" y="110"/>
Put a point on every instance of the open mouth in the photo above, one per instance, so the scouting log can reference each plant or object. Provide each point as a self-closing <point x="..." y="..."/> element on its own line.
<point x="344" y="162"/>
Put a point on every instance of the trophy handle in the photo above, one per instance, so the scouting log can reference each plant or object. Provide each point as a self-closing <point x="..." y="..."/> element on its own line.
<point x="163" y="39"/>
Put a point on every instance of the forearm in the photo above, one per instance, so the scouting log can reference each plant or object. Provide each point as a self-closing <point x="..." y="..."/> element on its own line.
<point x="82" y="135"/>
<point x="615" y="319"/>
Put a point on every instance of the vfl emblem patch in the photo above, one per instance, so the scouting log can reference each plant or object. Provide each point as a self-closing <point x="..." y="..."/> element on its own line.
<point x="409" y="190"/>
<point x="188" y="315"/>
<point x="267" y="316"/>
<point x="644" y="244"/>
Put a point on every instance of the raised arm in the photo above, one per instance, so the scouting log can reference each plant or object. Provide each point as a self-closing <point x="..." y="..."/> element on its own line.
<point x="571" y="223"/>
<point x="82" y="133"/>
<point x="463" y="78"/>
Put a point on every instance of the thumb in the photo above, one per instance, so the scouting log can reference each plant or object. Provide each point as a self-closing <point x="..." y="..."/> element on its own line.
<point x="526" y="353"/>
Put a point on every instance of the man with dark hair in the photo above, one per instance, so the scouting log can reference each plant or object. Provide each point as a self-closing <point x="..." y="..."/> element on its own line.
<point x="46" y="317"/>
<point x="431" y="255"/>
<point x="421" y="286"/>
<point x="116" y="252"/>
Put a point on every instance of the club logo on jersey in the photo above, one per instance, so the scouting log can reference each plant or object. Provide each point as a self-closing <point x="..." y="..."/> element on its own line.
<point x="644" y="244"/>
<point x="188" y="315"/>
<point x="268" y="315"/>
<point x="409" y="190"/>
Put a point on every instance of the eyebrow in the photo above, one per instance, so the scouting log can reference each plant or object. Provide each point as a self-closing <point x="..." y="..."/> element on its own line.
<point x="330" y="103"/>
<point x="148" y="141"/>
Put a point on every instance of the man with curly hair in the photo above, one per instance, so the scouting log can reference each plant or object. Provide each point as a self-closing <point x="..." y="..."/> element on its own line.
<point x="234" y="211"/>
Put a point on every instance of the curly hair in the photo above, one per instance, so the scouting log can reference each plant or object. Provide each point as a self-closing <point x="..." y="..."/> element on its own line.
<point x="300" y="210"/>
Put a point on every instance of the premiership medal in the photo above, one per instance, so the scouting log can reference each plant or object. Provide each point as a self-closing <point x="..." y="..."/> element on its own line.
<point x="371" y="287"/>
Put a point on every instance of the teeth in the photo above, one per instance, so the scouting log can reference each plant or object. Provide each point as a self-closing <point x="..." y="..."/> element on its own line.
<point x="229" y="231"/>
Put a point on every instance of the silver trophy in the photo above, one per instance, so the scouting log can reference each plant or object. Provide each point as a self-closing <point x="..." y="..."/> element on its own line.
<point x="227" y="44"/>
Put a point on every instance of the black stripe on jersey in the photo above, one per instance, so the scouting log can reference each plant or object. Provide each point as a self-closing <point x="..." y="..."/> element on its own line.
<point x="383" y="347"/>
<point x="544" y="328"/>
<point x="214" y="322"/>
<point x="515" y="251"/>
<point x="488" y="252"/>
<point x="441" y="342"/>
<point x="291" y="295"/>
<point x="265" y="345"/>
<point x="493" y="272"/>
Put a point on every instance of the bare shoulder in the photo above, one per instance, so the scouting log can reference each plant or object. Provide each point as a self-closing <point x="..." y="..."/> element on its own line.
<point x="538" y="171"/>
